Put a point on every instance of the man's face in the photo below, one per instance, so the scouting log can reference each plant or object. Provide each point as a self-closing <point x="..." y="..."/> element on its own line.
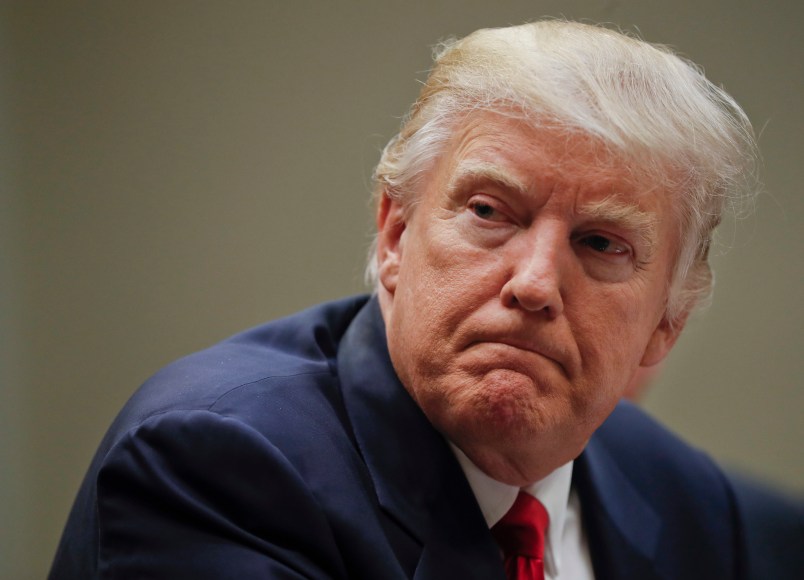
<point x="522" y="290"/>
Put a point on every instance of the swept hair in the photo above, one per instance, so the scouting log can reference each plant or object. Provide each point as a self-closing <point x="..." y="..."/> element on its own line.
<point x="653" y="110"/>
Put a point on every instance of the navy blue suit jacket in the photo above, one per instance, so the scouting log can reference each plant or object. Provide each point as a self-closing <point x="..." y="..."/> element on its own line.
<point x="774" y="527"/>
<point x="293" y="451"/>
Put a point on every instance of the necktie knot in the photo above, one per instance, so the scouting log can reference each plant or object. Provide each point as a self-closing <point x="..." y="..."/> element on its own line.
<point x="521" y="536"/>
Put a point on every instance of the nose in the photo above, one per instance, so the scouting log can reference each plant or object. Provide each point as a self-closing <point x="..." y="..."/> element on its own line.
<point x="535" y="282"/>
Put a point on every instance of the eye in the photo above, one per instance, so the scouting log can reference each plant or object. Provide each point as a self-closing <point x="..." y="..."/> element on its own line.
<point x="599" y="243"/>
<point x="605" y="245"/>
<point x="483" y="210"/>
<point x="487" y="210"/>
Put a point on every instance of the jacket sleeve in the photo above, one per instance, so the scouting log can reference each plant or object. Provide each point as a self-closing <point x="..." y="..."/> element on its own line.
<point x="193" y="494"/>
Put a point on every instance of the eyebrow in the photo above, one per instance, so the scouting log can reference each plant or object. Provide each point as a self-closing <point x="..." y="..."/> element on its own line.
<point x="625" y="215"/>
<point x="479" y="170"/>
<point x="610" y="209"/>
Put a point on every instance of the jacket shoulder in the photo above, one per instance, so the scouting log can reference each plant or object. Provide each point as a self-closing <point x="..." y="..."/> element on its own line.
<point x="647" y="492"/>
<point x="640" y="442"/>
<point x="241" y="412"/>
<point x="665" y="469"/>
<point x="289" y="349"/>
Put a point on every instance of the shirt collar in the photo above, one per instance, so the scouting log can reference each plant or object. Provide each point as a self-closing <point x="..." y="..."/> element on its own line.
<point x="496" y="498"/>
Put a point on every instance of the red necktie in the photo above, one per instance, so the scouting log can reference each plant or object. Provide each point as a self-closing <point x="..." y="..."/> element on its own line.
<point x="520" y="534"/>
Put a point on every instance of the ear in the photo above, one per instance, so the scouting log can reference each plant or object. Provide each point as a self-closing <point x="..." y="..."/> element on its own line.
<point x="390" y="229"/>
<point x="662" y="340"/>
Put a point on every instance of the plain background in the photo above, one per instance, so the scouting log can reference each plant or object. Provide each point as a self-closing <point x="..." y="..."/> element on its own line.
<point x="173" y="172"/>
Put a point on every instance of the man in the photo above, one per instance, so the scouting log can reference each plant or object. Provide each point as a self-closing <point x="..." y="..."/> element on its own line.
<point x="544" y="218"/>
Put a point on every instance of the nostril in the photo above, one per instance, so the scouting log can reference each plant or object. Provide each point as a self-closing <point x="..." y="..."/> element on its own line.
<point x="532" y="295"/>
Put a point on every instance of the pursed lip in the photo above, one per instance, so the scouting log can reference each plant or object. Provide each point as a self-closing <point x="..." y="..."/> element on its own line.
<point x="535" y="347"/>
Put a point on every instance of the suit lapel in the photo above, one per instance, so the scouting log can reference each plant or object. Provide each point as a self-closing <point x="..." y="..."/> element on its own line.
<point x="421" y="488"/>
<point x="623" y="529"/>
<point x="417" y="479"/>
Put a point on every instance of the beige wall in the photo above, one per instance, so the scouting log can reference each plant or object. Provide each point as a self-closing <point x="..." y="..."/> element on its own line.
<point x="173" y="172"/>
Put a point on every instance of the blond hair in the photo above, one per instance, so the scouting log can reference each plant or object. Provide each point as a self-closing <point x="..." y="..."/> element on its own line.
<point x="654" y="110"/>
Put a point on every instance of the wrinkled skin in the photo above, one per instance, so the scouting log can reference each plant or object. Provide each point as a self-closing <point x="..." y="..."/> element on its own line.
<point x="522" y="291"/>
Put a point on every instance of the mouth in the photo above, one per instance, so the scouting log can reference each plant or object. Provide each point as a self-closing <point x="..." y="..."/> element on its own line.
<point x="518" y="355"/>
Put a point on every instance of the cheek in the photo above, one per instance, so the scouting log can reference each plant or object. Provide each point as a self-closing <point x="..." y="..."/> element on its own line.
<point x="442" y="284"/>
<point x="444" y="278"/>
<point x="612" y="333"/>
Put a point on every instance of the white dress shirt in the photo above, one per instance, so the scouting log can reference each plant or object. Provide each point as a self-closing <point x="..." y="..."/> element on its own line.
<point x="566" y="553"/>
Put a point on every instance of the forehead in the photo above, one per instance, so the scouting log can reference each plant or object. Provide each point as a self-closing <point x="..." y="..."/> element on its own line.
<point x="523" y="157"/>
<point x="575" y="176"/>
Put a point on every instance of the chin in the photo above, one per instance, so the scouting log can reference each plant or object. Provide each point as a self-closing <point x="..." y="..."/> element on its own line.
<point x="502" y="408"/>
<point x="510" y="396"/>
